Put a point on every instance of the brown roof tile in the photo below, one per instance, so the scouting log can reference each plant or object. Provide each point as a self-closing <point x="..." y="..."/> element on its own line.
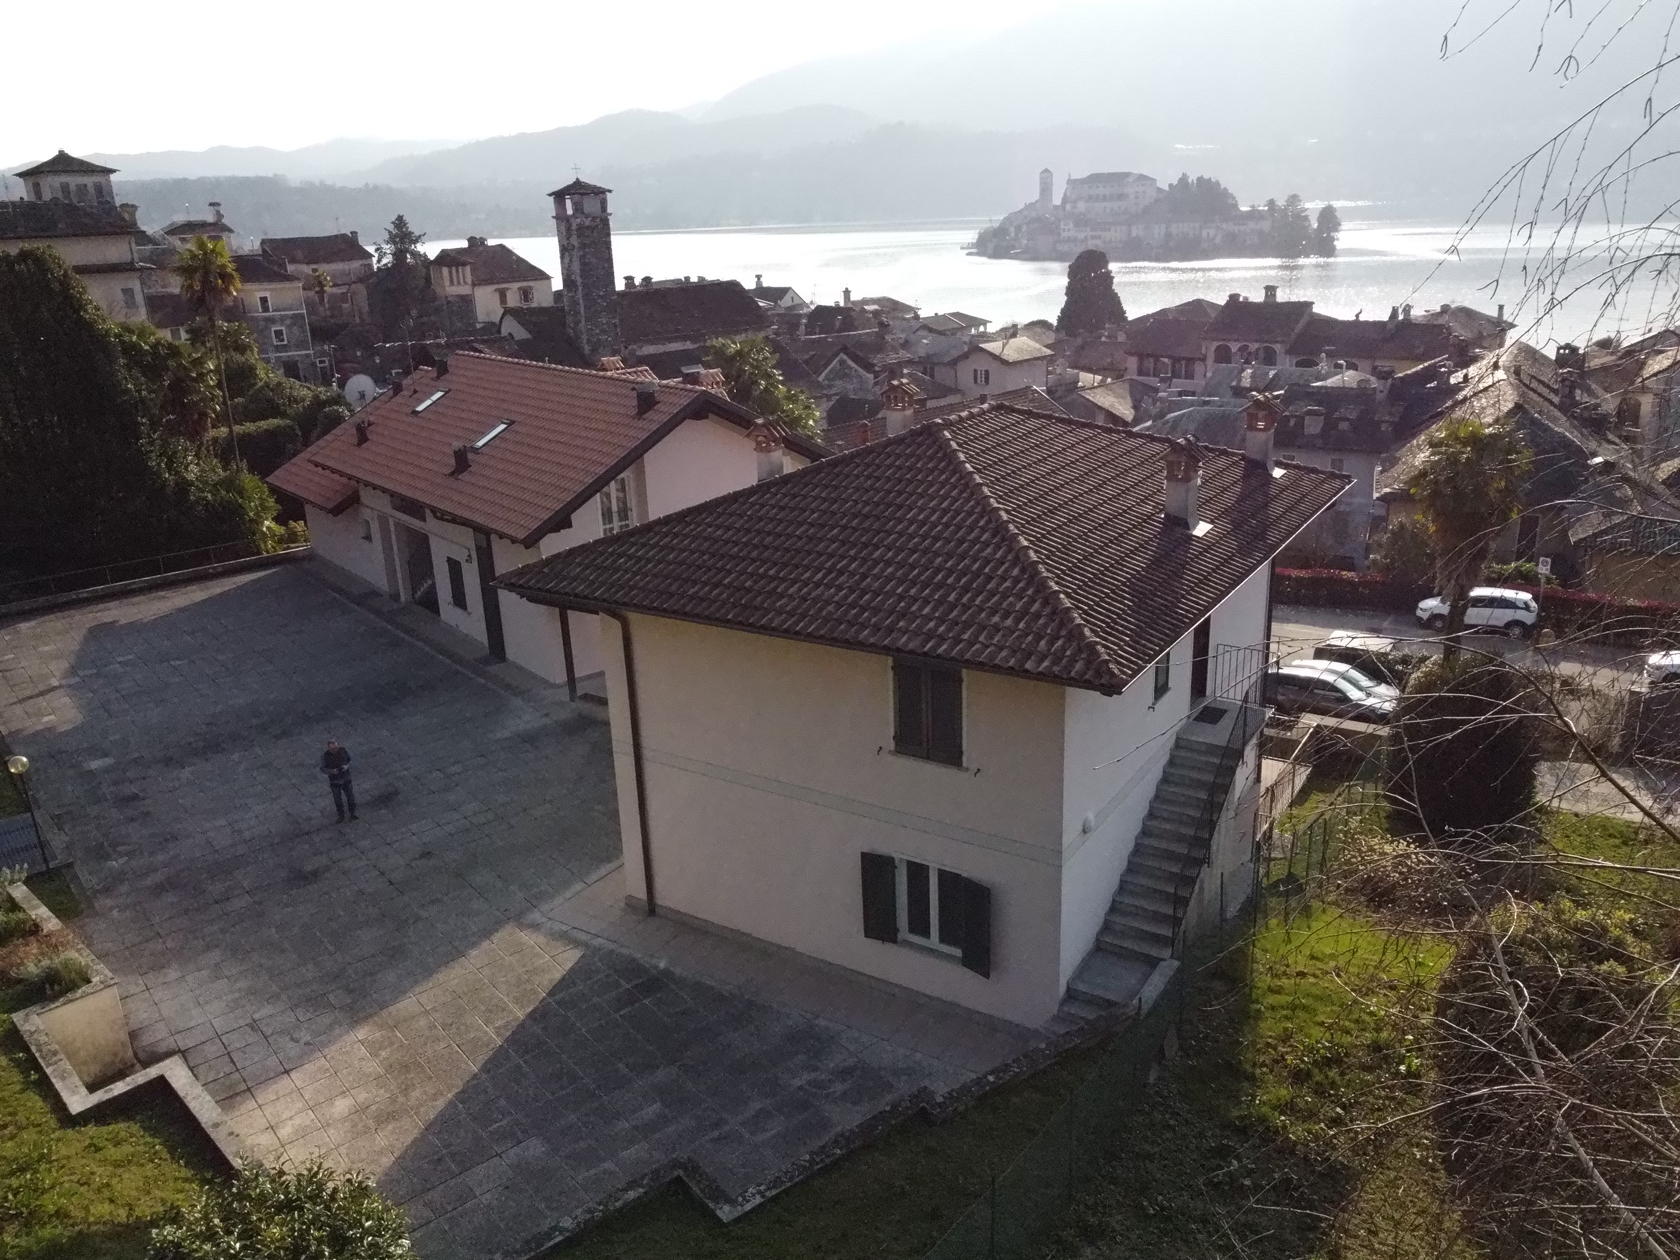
<point x="307" y="251"/>
<point x="999" y="538"/>
<point x="491" y="264"/>
<point x="572" y="431"/>
<point x="314" y="485"/>
<point x="687" y="312"/>
<point x="1243" y="320"/>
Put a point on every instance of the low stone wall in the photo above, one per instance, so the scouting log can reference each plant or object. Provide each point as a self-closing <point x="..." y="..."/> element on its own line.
<point x="81" y="1042"/>
<point x="46" y="603"/>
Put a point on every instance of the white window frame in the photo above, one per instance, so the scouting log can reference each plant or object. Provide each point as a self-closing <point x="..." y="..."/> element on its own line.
<point x="527" y="295"/>
<point x="265" y="304"/>
<point x="901" y="878"/>
<point x="618" y="506"/>
<point x="277" y="336"/>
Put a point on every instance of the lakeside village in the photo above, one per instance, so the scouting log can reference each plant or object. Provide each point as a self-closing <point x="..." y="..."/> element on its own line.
<point x="775" y="724"/>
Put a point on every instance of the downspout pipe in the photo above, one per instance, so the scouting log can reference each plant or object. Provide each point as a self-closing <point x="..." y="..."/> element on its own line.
<point x="638" y="770"/>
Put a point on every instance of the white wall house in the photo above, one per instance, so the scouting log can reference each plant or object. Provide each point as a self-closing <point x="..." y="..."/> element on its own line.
<point x="470" y="471"/>
<point x="998" y="367"/>
<point x="69" y="207"/>
<point x="482" y="280"/>
<point x="908" y="712"/>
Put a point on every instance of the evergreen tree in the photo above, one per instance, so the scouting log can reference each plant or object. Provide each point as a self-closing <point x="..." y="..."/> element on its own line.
<point x="1291" y="227"/>
<point x="752" y="379"/>
<point x="1091" y="306"/>
<point x="91" y="471"/>
<point x="401" y="283"/>
<point x="1325" y="233"/>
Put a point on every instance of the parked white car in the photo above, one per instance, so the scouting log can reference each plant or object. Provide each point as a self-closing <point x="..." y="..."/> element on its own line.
<point x="1662" y="669"/>
<point x="1492" y="608"/>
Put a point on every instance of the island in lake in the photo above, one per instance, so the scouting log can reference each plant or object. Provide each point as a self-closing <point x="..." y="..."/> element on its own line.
<point x="1130" y="217"/>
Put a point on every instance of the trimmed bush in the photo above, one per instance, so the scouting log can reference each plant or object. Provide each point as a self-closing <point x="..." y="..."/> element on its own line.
<point x="1462" y="753"/>
<point x="15" y="923"/>
<point x="308" y="1213"/>
<point x="1339" y="588"/>
<point x="263" y="444"/>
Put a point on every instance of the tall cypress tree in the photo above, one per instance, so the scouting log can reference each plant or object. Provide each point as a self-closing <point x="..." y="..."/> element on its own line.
<point x="1091" y="305"/>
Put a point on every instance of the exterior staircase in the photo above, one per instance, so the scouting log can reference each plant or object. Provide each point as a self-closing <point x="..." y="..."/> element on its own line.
<point x="1166" y="861"/>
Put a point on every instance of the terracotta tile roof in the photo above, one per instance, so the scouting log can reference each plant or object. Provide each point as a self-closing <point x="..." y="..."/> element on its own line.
<point x="256" y="269"/>
<point x="62" y="163"/>
<point x="1243" y="320"/>
<point x="26" y="220"/>
<point x="546" y="339"/>
<point x="687" y="312"/>
<point x="1372" y="338"/>
<point x="572" y="432"/>
<point x="823" y="321"/>
<point x="1000" y="539"/>
<point x="1015" y="350"/>
<point x="314" y="485"/>
<point x="307" y="251"/>
<point x="199" y="227"/>
<point x="578" y="186"/>
<point x="491" y="264"/>
<point x="1166" y="335"/>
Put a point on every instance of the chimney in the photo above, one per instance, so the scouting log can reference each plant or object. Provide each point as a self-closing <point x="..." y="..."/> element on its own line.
<point x="898" y="405"/>
<point x="1259" y="426"/>
<point x="845" y="297"/>
<point x="771" y="450"/>
<point x="1406" y="313"/>
<point x="629" y="282"/>
<point x="1233" y="297"/>
<point x="355" y="236"/>
<point x="1271" y="293"/>
<point x="1183" y="482"/>
<point x="130" y="213"/>
<point x="216" y="211"/>
<point x="647" y="282"/>
<point x="758" y="280"/>
<point x="1500" y="315"/>
<point x="1393" y="318"/>
<point x="442" y="369"/>
<point x="477" y="242"/>
<point x="647" y="397"/>
<point x="1385" y="378"/>
<point x="462" y="463"/>
<point x="361" y="432"/>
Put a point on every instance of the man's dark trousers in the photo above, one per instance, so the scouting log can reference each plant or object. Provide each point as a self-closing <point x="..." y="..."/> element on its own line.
<point x="344" y="795"/>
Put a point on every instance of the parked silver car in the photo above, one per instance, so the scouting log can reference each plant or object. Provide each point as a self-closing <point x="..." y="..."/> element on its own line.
<point x="1329" y="688"/>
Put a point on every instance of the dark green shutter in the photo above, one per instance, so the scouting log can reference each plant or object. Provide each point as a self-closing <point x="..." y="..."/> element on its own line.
<point x="880" y="897"/>
<point x="976" y="927"/>
<point x="945" y="716"/>
<point x="909" y="725"/>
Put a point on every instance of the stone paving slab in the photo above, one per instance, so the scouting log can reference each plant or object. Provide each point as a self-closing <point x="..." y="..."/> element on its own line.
<point x="449" y="993"/>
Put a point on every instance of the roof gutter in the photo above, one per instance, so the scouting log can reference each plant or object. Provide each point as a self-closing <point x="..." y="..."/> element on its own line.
<point x="633" y="713"/>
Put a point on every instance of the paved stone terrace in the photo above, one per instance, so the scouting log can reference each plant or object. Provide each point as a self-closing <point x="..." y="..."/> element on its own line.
<point x="447" y="994"/>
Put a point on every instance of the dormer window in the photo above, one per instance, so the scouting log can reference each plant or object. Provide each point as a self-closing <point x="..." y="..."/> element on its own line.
<point x="429" y="400"/>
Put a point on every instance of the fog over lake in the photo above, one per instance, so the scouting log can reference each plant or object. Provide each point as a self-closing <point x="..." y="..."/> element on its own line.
<point x="1381" y="263"/>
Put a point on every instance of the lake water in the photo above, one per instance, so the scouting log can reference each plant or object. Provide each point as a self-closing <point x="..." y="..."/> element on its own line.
<point x="1381" y="263"/>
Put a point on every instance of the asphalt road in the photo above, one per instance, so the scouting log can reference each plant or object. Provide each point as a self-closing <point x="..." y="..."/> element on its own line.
<point x="1296" y="631"/>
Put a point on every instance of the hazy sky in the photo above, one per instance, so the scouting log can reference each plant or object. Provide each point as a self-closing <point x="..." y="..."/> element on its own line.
<point x="297" y="73"/>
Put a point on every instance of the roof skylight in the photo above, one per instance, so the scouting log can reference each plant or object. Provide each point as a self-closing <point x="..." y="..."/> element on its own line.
<point x="435" y="395"/>
<point x="496" y="432"/>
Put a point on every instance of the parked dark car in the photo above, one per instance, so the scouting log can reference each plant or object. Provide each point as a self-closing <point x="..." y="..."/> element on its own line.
<point x="1372" y="655"/>
<point x="1329" y="688"/>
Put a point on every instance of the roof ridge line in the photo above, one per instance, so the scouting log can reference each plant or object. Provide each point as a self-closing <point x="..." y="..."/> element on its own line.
<point x="1040" y="571"/>
<point x="561" y="367"/>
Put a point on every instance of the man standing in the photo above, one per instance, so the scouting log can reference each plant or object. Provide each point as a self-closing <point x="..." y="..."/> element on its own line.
<point x="335" y="764"/>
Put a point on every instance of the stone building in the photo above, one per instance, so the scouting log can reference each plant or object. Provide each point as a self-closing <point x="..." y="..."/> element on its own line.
<point x="70" y="208"/>
<point x="587" y="275"/>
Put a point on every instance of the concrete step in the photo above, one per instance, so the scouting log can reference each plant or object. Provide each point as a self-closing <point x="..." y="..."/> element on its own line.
<point x="1128" y="934"/>
<point x="1145" y="919"/>
<point x="1128" y="926"/>
<point x="1107" y="979"/>
<point x="1189" y="813"/>
<point x="1142" y="898"/>
<point x="1073" y="1013"/>
<point x="1133" y="948"/>
<point x="1165" y="854"/>
<point x="1141" y="875"/>
<point x="1174" y="827"/>
<point x="1175" y="794"/>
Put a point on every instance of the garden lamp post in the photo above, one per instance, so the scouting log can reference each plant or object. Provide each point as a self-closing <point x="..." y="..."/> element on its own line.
<point x="17" y="765"/>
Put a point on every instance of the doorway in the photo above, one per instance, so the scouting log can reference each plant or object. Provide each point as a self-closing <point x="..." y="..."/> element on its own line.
<point x="416" y="549"/>
<point x="1200" y="646"/>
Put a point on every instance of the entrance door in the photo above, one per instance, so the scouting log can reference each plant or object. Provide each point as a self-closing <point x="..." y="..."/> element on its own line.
<point x="1200" y="645"/>
<point x="417" y="567"/>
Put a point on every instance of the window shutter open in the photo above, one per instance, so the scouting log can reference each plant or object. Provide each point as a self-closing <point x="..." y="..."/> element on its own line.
<point x="977" y="927"/>
<point x="945" y="716"/>
<point x="880" y="897"/>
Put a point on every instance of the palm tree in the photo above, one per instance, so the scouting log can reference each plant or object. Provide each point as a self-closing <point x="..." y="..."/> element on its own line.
<point x="208" y="279"/>
<point x="1468" y="488"/>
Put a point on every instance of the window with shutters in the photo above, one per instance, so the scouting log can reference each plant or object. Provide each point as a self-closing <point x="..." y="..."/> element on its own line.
<point x="1163" y="677"/>
<point x="928" y="712"/>
<point x="909" y="901"/>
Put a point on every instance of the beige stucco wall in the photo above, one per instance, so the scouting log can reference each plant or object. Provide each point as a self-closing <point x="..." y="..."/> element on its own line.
<point x="338" y="540"/>
<point x="89" y="1028"/>
<point x="770" y="769"/>
<point x="1116" y="748"/>
<point x="1004" y="376"/>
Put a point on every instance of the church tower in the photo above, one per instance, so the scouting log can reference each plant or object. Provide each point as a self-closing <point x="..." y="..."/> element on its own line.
<point x="1046" y="188"/>
<point x="586" y="268"/>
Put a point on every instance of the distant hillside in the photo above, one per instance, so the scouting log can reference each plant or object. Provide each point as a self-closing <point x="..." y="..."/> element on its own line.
<point x="639" y="137"/>
<point x="332" y="159"/>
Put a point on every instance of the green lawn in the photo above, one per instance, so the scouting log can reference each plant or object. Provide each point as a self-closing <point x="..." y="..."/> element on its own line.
<point x="892" y="1199"/>
<point x="85" y="1190"/>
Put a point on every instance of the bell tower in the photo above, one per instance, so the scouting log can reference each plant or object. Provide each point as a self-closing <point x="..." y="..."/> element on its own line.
<point x="586" y="268"/>
<point x="1046" y="188"/>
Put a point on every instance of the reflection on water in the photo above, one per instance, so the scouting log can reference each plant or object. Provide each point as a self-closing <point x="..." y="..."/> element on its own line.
<point x="1381" y="264"/>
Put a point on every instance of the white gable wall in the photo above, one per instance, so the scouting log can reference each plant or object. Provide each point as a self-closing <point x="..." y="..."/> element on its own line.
<point x="770" y="770"/>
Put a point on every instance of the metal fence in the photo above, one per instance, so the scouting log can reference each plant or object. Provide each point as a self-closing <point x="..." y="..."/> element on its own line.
<point x="22" y="844"/>
<point x="1020" y="1206"/>
<point x="71" y="580"/>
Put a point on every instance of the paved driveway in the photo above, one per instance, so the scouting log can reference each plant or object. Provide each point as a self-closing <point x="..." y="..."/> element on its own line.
<point x="399" y="994"/>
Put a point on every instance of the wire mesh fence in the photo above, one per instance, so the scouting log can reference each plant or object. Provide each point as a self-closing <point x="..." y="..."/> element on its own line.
<point x="18" y="589"/>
